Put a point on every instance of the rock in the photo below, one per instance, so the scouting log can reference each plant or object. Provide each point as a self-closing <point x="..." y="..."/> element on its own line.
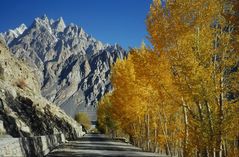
<point x="2" y="128"/>
<point x="73" y="67"/>
<point x="23" y="111"/>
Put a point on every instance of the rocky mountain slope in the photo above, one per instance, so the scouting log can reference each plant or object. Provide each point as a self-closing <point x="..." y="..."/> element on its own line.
<point x="23" y="111"/>
<point x="72" y="66"/>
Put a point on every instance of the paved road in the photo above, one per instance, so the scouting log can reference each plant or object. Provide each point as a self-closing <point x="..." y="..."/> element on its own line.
<point x="97" y="145"/>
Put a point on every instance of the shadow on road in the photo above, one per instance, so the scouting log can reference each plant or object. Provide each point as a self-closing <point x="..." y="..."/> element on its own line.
<point x="98" y="145"/>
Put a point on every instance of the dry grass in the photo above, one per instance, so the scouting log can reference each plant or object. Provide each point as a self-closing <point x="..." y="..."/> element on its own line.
<point x="21" y="84"/>
<point x="7" y="110"/>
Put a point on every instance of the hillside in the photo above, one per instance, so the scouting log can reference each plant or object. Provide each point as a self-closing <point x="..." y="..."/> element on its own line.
<point x="23" y="111"/>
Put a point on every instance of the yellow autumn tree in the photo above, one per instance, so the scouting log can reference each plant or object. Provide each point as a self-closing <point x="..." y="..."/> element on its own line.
<point x="180" y="98"/>
<point x="202" y="58"/>
<point x="141" y="94"/>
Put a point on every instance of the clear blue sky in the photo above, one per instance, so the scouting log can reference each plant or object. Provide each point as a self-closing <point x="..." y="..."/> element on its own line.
<point x="111" y="21"/>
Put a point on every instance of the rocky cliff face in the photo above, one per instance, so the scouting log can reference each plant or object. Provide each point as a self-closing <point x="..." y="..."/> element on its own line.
<point x="23" y="111"/>
<point x="72" y="66"/>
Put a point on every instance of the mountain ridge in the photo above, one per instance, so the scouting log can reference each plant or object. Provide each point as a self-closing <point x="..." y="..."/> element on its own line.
<point x="73" y="67"/>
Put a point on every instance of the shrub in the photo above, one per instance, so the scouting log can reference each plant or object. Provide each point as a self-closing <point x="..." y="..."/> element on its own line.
<point x="21" y="84"/>
<point x="7" y="110"/>
<point x="84" y="120"/>
<point x="94" y="131"/>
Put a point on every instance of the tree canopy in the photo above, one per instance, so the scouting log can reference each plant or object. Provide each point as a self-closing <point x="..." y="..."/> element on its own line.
<point x="181" y="96"/>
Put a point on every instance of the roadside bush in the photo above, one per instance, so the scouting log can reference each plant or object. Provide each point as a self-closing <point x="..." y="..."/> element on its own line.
<point x="83" y="119"/>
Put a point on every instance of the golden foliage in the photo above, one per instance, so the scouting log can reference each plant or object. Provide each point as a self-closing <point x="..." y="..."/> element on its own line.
<point x="182" y="95"/>
<point x="83" y="119"/>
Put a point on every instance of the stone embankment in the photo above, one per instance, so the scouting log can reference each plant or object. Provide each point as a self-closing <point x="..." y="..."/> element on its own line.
<point x="37" y="146"/>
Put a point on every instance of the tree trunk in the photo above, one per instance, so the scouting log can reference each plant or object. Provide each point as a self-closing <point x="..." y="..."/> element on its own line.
<point x="165" y="135"/>
<point x="211" y="133"/>
<point x="148" y="132"/>
<point x="185" y="143"/>
<point x="155" y="139"/>
<point x="201" y="151"/>
<point x="219" y="148"/>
